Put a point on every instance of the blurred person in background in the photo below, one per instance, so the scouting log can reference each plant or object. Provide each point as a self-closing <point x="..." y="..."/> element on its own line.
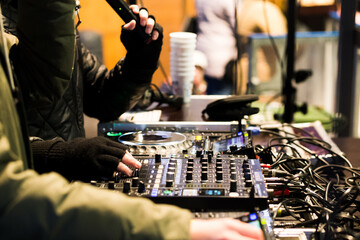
<point x="223" y="28"/>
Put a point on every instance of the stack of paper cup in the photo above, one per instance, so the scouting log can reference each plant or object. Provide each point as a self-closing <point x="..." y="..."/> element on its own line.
<point x="182" y="69"/>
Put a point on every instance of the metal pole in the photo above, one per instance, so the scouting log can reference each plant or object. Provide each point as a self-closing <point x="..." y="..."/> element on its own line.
<point x="289" y="92"/>
<point x="346" y="67"/>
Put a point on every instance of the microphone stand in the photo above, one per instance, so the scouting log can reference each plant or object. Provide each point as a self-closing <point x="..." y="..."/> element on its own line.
<point x="289" y="91"/>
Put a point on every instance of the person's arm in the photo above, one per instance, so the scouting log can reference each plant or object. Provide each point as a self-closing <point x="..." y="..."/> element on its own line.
<point x="83" y="158"/>
<point x="44" y="57"/>
<point x="108" y="94"/>
<point x="48" y="207"/>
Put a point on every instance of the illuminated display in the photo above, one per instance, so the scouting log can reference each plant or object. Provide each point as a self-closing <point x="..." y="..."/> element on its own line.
<point x="113" y="134"/>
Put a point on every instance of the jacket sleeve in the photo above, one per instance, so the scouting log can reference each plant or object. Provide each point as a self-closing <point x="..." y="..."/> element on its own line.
<point x="108" y="94"/>
<point x="45" y="54"/>
<point x="47" y="207"/>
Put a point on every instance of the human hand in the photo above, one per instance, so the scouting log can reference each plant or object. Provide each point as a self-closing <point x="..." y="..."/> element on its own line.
<point x="145" y="21"/>
<point x="140" y="53"/>
<point x="128" y="160"/>
<point x="97" y="157"/>
<point x="224" y="229"/>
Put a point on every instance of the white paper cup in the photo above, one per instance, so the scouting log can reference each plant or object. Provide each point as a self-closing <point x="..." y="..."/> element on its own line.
<point x="182" y="69"/>
<point x="183" y="86"/>
<point x="182" y="36"/>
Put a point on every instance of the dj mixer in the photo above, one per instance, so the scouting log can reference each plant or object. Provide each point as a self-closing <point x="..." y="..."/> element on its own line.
<point x="196" y="183"/>
<point x="201" y="166"/>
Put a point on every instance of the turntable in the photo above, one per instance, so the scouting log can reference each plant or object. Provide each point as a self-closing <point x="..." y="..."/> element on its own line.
<point x="152" y="142"/>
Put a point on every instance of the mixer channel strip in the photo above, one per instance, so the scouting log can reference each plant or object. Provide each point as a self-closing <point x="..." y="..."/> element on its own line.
<point x="222" y="182"/>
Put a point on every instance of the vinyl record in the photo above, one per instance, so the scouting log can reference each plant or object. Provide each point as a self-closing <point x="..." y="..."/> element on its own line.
<point x="152" y="138"/>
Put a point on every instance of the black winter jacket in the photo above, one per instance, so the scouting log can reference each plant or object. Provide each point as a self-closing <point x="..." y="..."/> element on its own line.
<point x="93" y="90"/>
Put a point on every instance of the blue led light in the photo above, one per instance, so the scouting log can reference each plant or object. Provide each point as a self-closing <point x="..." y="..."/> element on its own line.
<point x="154" y="192"/>
<point x="210" y="192"/>
<point x="239" y="133"/>
<point x="252" y="216"/>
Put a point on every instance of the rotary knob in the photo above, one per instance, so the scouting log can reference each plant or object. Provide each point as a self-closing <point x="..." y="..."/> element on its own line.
<point x="141" y="188"/>
<point x="233" y="175"/>
<point x="248" y="183"/>
<point x="169" y="183"/>
<point x="126" y="187"/>
<point x="157" y="158"/>
<point x="136" y="173"/>
<point x="209" y="158"/>
<point x="189" y="176"/>
<point x="189" y="169"/>
<point x="233" y="148"/>
<point x="111" y="185"/>
<point x="233" y="186"/>
<point x="219" y="176"/>
<point x="170" y="176"/>
<point x="204" y="176"/>
<point x="135" y="182"/>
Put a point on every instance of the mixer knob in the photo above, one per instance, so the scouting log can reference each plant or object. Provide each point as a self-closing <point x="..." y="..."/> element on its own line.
<point x="203" y="160"/>
<point x="190" y="160"/>
<point x="136" y="173"/>
<point x="172" y="160"/>
<point x="219" y="176"/>
<point x="219" y="169"/>
<point x="111" y="185"/>
<point x="169" y="183"/>
<point x="247" y="176"/>
<point x="198" y="153"/>
<point x="170" y="176"/>
<point x="189" y="169"/>
<point x="204" y="176"/>
<point x="233" y="186"/>
<point x="209" y="158"/>
<point x="190" y="164"/>
<point x="248" y="183"/>
<point x="246" y="166"/>
<point x="189" y="176"/>
<point x="126" y="187"/>
<point x="157" y="158"/>
<point x="218" y="164"/>
<point x="135" y="182"/>
<point x="233" y="176"/>
<point x="233" y="148"/>
<point x="210" y="152"/>
<point x="141" y="188"/>
<point x="171" y="165"/>
<point x="204" y="169"/>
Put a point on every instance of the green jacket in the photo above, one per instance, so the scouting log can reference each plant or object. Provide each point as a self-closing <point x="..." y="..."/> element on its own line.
<point x="34" y="206"/>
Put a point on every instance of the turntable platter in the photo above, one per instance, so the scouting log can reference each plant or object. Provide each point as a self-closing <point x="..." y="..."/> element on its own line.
<point x="152" y="138"/>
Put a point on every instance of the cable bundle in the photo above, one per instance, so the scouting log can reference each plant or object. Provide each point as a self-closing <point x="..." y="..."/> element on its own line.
<point x="319" y="191"/>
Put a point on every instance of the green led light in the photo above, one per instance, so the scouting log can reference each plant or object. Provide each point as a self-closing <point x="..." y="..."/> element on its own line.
<point x="167" y="192"/>
<point x="120" y="9"/>
<point x="113" y="134"/>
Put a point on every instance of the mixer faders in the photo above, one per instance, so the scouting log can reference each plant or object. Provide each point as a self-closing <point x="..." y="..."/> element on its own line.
<point x="196" y="181"/>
